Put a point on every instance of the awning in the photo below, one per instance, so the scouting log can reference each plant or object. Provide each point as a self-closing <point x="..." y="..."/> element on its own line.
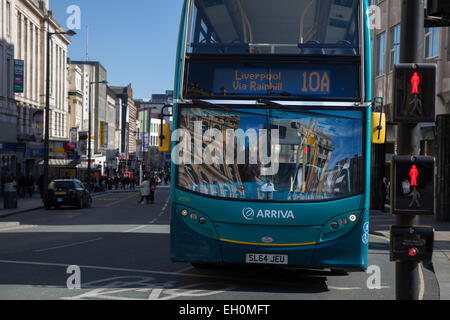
<point x="60" y="163"/>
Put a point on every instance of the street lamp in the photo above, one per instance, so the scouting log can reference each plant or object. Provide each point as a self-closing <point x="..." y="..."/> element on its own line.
<point x="69" y="33"/>
<point x="89" y="131"/>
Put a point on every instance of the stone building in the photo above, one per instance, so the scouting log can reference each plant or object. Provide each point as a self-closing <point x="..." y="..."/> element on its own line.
<point x="23" y="43"/>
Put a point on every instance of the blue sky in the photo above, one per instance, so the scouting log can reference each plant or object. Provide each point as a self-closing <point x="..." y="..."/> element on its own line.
<point x="134" y="40"/>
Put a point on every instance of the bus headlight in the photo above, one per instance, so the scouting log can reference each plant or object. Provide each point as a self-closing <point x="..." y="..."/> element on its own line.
<point x="353" y="217"/>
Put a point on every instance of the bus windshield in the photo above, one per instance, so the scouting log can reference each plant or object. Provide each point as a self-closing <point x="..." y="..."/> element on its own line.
<point x="281" y="154"/>
<point x="299" y="27"/>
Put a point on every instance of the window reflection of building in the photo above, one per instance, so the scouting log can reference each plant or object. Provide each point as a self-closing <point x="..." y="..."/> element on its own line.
<point x="310" y="150"/>
<point x="216" y="179"/>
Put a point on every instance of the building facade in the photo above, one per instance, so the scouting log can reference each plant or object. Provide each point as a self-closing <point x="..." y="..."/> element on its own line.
<point x="23" y="49"/>
<point x="434" y="136"/>
<point x="127" y="125"/>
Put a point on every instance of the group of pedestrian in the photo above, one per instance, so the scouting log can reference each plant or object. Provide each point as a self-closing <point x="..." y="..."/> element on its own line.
<point x="24" y="186"/>
<point x="124" y="183"/>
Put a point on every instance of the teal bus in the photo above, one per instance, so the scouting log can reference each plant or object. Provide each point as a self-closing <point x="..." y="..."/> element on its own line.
<point x="271" y="134"/>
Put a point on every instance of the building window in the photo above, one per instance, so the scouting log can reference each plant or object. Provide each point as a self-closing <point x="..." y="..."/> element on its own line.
<point x="381" y="54"/>
<point x="395" y="47"/>
<point x="431" y="42"/>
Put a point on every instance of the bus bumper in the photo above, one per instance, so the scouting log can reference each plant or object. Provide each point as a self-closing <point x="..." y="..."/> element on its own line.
<point x="348" y="251"/>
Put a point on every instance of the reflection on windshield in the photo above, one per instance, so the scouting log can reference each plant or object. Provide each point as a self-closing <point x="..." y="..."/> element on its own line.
<point x="271" y="154"/>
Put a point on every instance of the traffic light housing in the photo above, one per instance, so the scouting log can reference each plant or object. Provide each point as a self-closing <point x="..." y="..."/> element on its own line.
<point x="413" y="185"/>
<point x="438" y="8"/>
<point x="411" y="243"/>
<point x="414" y="95"/>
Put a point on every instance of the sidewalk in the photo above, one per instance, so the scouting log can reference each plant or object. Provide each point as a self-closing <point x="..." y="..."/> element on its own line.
<point x="23" y="205"/>
<point x="380" y="223"/>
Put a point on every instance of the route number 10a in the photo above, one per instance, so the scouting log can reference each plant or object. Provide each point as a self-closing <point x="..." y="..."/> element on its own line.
<point x="316" y="82"/>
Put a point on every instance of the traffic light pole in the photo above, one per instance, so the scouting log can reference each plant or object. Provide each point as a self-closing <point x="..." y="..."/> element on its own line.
<point x="408" y="135"/>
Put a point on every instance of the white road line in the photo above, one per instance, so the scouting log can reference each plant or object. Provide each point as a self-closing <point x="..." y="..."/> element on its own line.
<point x="69" y="245"/>
<point x="134" y="229"/>
<point x="422" y="282"/>
<point x="166" y="273"/>
<point x="162" y="211"/>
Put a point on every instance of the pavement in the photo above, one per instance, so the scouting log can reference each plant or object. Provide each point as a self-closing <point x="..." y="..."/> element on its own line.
<point x="380" y="223"/>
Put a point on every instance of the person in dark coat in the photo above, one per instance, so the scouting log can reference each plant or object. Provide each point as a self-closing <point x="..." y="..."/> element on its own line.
<point x="384" y="189"/>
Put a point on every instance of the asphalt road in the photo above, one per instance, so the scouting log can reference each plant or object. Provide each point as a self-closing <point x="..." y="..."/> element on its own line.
<point x="119" y="249"/>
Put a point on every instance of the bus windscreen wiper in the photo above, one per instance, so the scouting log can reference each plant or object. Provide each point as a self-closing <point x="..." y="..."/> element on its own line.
<point x="278" y="106"/>
<point x="211" y="105"/>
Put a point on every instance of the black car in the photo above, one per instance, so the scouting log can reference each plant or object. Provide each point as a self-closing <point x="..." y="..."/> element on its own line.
<point x="67" y="192"/>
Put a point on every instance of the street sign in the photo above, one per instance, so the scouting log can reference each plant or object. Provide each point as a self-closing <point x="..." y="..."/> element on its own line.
<point x="411" y="243"/>
<point x="412" y="187"/>
<point x="414" y="93"/>
<point x="18" y="75"/>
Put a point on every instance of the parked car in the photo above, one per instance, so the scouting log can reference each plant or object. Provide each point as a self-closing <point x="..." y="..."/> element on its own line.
<point x="67" y="192"/>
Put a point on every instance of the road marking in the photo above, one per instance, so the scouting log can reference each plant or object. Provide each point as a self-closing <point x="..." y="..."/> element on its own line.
<point x="162" y="211"/>
<point x="146" y="288"/>
<point x="69" y="245"/>
<point x="422" y="282"/>
<point x="17" y="227"/>
<point x="134" y="229"/>
<point x="164" y="273"/>
<point x="121" y="200"/>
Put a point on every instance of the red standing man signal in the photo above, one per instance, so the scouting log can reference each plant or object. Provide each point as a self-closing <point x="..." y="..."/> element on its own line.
<point x="413" y="174"/>
<point x="415" y="81"/>
<point x="415" y="108"/>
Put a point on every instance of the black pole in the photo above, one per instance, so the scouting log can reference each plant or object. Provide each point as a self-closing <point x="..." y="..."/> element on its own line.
<point x="47" y="117"/>
<point x="89" y="138"/>
<point x="408" y="135"/>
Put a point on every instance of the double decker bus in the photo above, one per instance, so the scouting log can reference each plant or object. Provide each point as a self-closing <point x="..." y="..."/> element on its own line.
<point x="271" y="144"/>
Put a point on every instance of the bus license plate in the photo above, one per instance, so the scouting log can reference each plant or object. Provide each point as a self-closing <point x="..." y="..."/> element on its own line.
<point x="262" y="258"/>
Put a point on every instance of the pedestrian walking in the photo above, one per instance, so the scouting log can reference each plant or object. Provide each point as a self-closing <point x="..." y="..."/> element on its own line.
<point x="145" y="191"/>
<point x="40" y="184"/>
<point x="384" y="189"/>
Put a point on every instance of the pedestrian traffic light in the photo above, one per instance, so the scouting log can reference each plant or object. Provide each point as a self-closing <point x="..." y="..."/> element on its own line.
<point x="143" y="166"/>
<point x="438" y="8"/>
<point x="412" y="186"/>
<point x="414" y="93"/>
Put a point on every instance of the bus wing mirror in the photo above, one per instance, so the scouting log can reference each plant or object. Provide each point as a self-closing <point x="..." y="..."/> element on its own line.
<point x="378" y="128"/>
<point x="164" y="138"/>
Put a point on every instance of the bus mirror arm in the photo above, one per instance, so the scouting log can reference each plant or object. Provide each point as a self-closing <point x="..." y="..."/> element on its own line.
<point x="381" y="127"/>
<point x="162" y="136"/>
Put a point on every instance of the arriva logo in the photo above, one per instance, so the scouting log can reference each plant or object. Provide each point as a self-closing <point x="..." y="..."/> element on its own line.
<point x="249" y="214"/>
